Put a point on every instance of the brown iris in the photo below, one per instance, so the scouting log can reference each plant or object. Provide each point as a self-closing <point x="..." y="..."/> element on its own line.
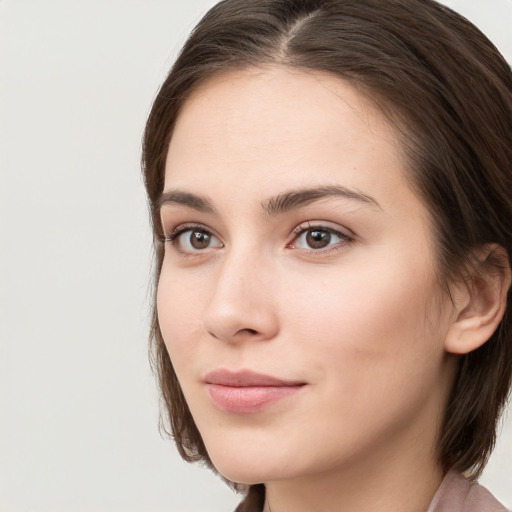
<point x="199" y="239"/>
<point x="317" y="239"/>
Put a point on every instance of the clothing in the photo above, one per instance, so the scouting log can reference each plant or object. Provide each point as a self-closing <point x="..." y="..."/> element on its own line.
<point x="456" y="494"/>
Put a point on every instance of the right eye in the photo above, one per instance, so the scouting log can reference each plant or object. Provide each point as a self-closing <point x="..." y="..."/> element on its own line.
<point x="193" y="240"/>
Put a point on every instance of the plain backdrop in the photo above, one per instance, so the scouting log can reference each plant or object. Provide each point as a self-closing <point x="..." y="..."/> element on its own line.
<point x="78" y="402"/>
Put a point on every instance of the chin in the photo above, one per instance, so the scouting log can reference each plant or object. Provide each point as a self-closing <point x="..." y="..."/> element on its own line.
<point x="241" y="468"/>
<point x="248" y="466"/>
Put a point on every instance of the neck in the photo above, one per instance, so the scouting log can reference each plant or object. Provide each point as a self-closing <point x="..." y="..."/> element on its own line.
<point x="408" y="493"/>
<point x="398" y="477"/>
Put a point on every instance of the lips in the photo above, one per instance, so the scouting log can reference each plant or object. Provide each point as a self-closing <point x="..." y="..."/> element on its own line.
<point x="247" y="392"/>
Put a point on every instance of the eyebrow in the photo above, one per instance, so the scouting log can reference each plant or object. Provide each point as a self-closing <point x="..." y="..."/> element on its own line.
<point x="301" y="197"/>
<point x="276" y="205"/>
<point x="179" y="197"/>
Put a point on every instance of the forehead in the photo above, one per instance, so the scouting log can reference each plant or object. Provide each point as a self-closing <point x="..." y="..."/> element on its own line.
<point x="266" y="129"/>
<point x="275" y="104"/>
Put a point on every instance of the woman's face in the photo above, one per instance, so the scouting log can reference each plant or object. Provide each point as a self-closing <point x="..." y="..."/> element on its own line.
<point x="298" y="298"/>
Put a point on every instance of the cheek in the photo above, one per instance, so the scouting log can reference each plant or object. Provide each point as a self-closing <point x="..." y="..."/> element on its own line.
<point x="369" y="344"/>
<point x="369" y="323"/>
<point x="179" y="312"/>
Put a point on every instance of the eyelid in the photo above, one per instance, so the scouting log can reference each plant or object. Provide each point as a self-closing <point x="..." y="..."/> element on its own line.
<point x="347" y="236"/>
<point x="186" y="226"/>
<point x="180" y="229"/>
<point x="323" y="226"/>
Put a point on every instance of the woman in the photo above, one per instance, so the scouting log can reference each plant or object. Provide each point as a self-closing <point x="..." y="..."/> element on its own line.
<point x="329" y="185"/>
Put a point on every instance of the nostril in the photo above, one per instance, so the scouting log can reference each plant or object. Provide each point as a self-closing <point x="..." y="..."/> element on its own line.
<point x="213" y="335"/>
<point x="247" y="331"/>
<point x="250" y="332"/>
<point x="237" y="324"/>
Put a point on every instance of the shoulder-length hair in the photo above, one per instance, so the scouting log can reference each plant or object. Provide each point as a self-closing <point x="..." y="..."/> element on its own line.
<point x="447" y="91"/>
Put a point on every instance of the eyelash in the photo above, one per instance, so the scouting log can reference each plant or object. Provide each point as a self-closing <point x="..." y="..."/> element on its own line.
<point x="345" y="239"/>
<point x="173" y="238"/>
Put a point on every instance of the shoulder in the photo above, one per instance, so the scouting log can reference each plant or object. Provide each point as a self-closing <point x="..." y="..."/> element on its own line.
<point x="458" y="494"/>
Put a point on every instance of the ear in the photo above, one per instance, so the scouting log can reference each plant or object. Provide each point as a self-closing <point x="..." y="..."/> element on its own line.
<point x="480" y="301"/>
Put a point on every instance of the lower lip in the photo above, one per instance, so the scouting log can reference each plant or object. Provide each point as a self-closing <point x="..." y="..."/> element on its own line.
<point x="250" y="399"/>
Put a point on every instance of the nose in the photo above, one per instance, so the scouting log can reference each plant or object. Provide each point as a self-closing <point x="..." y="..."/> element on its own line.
<point x="243" y="306"/>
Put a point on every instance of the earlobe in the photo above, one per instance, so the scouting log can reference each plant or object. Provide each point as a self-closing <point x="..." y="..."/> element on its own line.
<point x="480" y="301"/>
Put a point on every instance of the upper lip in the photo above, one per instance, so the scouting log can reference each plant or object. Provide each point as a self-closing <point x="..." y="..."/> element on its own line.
<point x="246" y="378"/>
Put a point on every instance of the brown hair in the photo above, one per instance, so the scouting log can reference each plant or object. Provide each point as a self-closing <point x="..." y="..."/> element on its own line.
<point x="446" y="89"/>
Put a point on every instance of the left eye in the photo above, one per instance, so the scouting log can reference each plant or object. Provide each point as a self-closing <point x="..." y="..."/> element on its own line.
<point x="316" y="238"/>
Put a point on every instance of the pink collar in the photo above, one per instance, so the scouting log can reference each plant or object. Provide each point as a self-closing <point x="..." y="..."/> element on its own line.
<point x="458" y="494"/>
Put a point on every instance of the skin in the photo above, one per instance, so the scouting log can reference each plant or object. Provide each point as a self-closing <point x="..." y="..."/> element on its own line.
<point x="362" y="322"/>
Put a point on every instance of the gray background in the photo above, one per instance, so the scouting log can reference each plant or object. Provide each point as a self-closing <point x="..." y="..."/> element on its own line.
<point x="78" y="403"/>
